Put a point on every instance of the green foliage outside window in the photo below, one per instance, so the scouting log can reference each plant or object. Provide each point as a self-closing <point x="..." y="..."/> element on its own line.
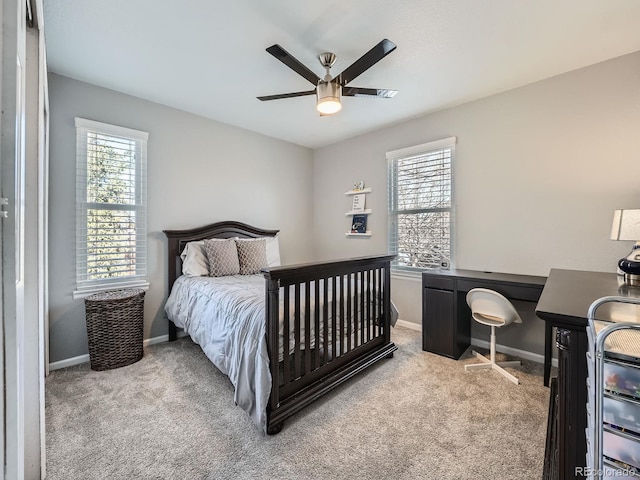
<point x="110" y="214"/>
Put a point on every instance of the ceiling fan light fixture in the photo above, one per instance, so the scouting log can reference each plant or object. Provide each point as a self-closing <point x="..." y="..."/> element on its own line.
<point x="328" y="98"/>
<point x="330" y="89"/>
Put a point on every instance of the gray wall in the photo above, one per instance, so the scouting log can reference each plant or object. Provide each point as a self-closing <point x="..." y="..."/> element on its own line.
<point x="538" y="173"/>
<point x="199" y="171"/>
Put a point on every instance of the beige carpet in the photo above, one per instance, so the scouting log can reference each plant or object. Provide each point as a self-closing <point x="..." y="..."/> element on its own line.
<point x="416" y="416"/>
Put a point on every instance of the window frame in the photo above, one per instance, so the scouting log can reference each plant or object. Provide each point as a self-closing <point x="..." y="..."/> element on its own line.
<point x="85" y="286"/>
<point x="394" y="211"/>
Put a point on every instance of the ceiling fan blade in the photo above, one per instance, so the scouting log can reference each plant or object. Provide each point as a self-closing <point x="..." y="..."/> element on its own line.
<point x="287" y="95"/>
<point x="291" y="62"/>
<point x="368" y="92"/>
<point x="373" y="56"/>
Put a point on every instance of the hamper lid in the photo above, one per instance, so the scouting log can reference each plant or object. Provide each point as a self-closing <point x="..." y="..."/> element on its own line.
<point x="112" y="295"/>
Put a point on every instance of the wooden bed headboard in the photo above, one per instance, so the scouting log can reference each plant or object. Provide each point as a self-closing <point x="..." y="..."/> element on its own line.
<point x="228" y="229"/>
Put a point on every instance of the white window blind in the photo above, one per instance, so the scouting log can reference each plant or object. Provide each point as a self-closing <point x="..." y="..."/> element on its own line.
<point x="111" y="217"/>
<point x="421" y="205"/>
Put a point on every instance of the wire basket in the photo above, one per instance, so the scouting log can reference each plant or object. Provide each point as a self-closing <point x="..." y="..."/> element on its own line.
<point x="115" y="326"/>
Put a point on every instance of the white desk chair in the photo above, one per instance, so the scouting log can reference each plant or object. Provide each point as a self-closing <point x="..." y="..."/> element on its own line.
<point x="492" y="309"/>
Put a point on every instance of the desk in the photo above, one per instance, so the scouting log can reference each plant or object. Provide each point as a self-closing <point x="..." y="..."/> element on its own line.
<point x="564" y="304"/>
<point x="446" y="318"/>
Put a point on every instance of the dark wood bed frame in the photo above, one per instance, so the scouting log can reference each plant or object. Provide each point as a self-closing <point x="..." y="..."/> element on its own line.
<point x="361" y="289"/>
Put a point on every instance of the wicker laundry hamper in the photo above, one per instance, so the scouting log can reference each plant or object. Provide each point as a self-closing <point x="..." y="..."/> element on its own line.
<point x="115" y="327"/>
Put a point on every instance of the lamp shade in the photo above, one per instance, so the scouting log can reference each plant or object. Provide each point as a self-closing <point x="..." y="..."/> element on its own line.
<point x="626" y="225"/>
<point x="328" y="98"/>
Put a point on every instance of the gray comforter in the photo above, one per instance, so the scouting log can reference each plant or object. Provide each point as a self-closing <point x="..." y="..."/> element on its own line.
<point x="226" y="317"/>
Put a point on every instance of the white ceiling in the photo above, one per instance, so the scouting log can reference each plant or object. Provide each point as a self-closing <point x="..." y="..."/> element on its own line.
<point x="208" y="56"/>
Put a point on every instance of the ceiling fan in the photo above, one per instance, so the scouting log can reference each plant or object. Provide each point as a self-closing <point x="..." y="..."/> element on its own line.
<point x="329" y="90"/>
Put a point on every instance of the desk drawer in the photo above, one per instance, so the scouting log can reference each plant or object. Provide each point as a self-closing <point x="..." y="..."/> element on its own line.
<point x="440" y="283"/>
<point x="512" y="292"/>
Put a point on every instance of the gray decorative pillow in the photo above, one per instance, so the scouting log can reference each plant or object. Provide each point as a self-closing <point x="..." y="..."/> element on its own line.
<point x="252" y="254"/>
<point x="222" y="257"/>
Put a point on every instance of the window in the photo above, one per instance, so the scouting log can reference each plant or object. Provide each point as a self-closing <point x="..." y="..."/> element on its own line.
<point x="421" y="205"/>
<point x="111" y="220"/>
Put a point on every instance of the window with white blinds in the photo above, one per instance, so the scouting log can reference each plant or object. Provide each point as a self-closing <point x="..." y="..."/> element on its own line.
<point x="111" y="216"/>
<point x="421" y="205"/>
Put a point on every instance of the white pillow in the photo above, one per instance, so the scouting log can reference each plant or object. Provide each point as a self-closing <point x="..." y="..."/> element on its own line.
<point x="273" y="251"/>
<point x="194" y="261"/>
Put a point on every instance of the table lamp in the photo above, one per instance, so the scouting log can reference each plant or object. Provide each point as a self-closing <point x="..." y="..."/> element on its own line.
<point x="626" y="226"/>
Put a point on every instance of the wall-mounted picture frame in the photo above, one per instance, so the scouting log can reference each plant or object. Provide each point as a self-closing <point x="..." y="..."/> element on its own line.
<point x="358" y="202"/>
<point x="359" y="224"/>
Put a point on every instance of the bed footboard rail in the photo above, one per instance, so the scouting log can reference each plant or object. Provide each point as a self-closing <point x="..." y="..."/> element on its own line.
<point x="325" y="322"/>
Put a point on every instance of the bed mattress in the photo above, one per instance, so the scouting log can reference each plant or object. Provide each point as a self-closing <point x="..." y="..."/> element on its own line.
<point x="226" y="317"/>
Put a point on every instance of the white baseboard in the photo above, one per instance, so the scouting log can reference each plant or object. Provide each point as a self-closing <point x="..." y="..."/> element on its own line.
<point x="70" y="362"/>
<point x="410" y="325"/>
<point x="154" y="340"/>
<point x="516" y="352"/>
<point x="534" y="357"/>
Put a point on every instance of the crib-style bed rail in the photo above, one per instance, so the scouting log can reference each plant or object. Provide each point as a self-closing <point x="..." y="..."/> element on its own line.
<point x="326" y="322"/>
<point x="336" y="318"/>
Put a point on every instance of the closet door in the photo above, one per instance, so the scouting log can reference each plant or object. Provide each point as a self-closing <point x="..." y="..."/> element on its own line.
<point x="12" y="182"/>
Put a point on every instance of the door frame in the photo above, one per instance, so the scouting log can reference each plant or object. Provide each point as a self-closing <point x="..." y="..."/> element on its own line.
<point x="23" y="329"/>
<point x="12" y="164"/>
